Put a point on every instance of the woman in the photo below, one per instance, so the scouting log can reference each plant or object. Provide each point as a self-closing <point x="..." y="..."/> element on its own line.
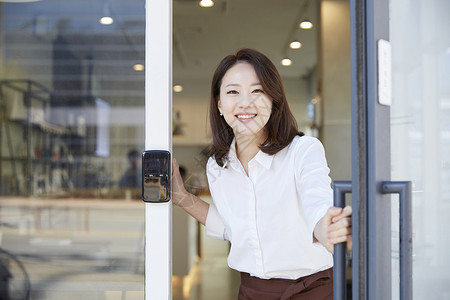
<point x="270" y="186"/>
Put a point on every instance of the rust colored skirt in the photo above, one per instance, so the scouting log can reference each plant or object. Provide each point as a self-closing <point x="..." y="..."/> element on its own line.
<point x="318" y="286"/>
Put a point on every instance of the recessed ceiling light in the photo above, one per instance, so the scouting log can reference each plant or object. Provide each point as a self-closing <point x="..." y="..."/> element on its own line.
<point x="177" y="88"/>
<point x="138" y="67"/>
<point x="306" y="24"/>
<point x="295" y="45"/>
<point x="286" y="62"/>
<point x="206" y="3"/>
<point x="106" y="20"/>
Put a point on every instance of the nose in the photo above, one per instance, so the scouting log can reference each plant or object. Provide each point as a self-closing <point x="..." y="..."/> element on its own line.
<point x="246" y="99"/>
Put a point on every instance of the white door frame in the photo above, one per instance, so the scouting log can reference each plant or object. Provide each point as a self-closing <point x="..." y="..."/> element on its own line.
<point x="158" y="136"/>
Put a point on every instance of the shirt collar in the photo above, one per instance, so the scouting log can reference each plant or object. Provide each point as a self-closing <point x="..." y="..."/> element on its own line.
<point x="262" y="158"/>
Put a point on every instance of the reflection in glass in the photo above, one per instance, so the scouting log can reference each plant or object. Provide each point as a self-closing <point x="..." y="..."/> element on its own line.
<point x="71" y="111"/>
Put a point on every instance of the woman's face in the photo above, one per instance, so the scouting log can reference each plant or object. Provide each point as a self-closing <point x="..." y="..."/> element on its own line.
<point x="243" y="102"/>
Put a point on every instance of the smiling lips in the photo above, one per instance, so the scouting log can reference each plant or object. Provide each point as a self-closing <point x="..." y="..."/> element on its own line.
<point x="245" y="117"/>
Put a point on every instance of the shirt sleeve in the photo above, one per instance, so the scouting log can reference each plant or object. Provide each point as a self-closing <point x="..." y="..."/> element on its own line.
<point x="313" y="183"/>
<point x="214" y="225"/>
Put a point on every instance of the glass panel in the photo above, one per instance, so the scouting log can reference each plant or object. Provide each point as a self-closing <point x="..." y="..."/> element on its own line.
<point x="421" y="134"/>
<point x="72" y="130"/>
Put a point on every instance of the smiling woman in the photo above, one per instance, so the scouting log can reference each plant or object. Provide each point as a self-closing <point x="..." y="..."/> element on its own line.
<point x="270" y="187"/>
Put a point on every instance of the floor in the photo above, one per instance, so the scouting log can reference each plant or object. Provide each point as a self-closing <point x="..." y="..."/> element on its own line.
<point x="77" y="249"/>
<point x="211" y="278"/>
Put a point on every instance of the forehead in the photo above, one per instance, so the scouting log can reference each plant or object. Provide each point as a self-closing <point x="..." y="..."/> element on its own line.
<point x="242" y="72"/>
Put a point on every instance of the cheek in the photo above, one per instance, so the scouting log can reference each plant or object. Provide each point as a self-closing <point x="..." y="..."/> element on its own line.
<point x="226" y="106"/>
<point x="265" y="107"/>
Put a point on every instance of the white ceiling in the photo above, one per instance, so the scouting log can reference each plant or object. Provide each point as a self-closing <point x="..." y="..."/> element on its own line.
<point x="203" y="36"/>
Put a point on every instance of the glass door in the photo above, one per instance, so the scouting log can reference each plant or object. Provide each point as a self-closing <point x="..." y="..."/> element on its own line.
<point x="400" y="124"/>
<point x="72" y="96"/>
<point x="420" y="137"/>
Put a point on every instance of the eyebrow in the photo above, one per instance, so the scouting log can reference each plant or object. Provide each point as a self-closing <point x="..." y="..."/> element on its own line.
<point x="236" y="84"/>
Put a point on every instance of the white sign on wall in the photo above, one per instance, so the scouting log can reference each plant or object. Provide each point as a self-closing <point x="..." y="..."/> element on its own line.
<point x="384" y="73"/>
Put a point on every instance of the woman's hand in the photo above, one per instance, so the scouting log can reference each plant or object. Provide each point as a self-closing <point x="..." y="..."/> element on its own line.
<point x="193" y="205"/>
<point x="180" y="196"/>
<point x="335" y="227"/>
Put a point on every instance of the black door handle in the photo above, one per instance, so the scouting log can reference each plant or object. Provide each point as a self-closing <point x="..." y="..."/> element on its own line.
<point x="404" y="189"/>
<point x="340" y="188"/>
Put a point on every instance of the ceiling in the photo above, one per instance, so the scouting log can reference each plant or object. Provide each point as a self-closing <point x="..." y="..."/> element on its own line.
<point x="203" y="36"/>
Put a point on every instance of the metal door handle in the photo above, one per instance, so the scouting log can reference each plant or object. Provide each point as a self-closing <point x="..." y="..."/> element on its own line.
<point x="403" y="188"/>
<point x="340" y="188"/>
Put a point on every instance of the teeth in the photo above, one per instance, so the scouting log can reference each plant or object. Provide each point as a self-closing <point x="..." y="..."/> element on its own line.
<point x="245" y="116"/>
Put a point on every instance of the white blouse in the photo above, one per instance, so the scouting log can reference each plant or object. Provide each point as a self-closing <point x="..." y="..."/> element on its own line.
<point x="269" y="216"/>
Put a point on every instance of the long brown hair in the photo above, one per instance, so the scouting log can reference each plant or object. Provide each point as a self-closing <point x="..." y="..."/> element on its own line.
<point x="281" y="127"/>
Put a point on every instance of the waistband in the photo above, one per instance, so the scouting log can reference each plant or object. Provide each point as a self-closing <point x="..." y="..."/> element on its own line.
<point x="278" y="285"/>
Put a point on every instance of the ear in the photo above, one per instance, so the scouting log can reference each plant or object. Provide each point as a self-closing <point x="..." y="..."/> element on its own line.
<point x="219" y="106"/>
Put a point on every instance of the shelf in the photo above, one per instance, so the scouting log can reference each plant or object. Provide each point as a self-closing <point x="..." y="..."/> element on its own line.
<point x="36" y="127"/>
<point x="39" y="160"/>
<point x="44" y="126"/>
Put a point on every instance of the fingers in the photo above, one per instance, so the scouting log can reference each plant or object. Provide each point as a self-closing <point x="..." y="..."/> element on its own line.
<point x="340" y="230"/>
<point x="339" y="236"/>
<point x="332" y="213"/>
<point x="345" y="239"/>
<point x="342" y="223"/>
<point x="175" y="166"/>
<point x="345" y="212"/>
<point x="176" y="172"/>
<point x="179" y="194"/>
<point x="349" y="243"/>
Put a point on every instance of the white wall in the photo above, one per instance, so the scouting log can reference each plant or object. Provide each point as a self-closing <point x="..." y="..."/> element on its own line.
<point x="193" y="120"/>
<point x="298" y="94"/>
<point x="334" y="61"/>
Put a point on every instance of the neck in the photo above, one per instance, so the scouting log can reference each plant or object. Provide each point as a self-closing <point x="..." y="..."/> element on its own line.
<point x="248" y="146"/>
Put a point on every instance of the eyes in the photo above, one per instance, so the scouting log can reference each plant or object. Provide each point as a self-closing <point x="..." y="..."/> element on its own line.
<point x="235" y="92"/>
<point x="232" y="92"/>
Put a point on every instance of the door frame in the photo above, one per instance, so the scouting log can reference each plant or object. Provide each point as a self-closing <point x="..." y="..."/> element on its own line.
<point x="371" y="220"/>
<point x="158" y="136"/>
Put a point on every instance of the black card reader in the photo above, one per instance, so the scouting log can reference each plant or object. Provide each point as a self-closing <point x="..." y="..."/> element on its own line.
<point x="156" y="174"/>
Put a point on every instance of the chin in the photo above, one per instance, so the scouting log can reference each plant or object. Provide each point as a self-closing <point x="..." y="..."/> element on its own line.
<point x="247" y="132"/>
